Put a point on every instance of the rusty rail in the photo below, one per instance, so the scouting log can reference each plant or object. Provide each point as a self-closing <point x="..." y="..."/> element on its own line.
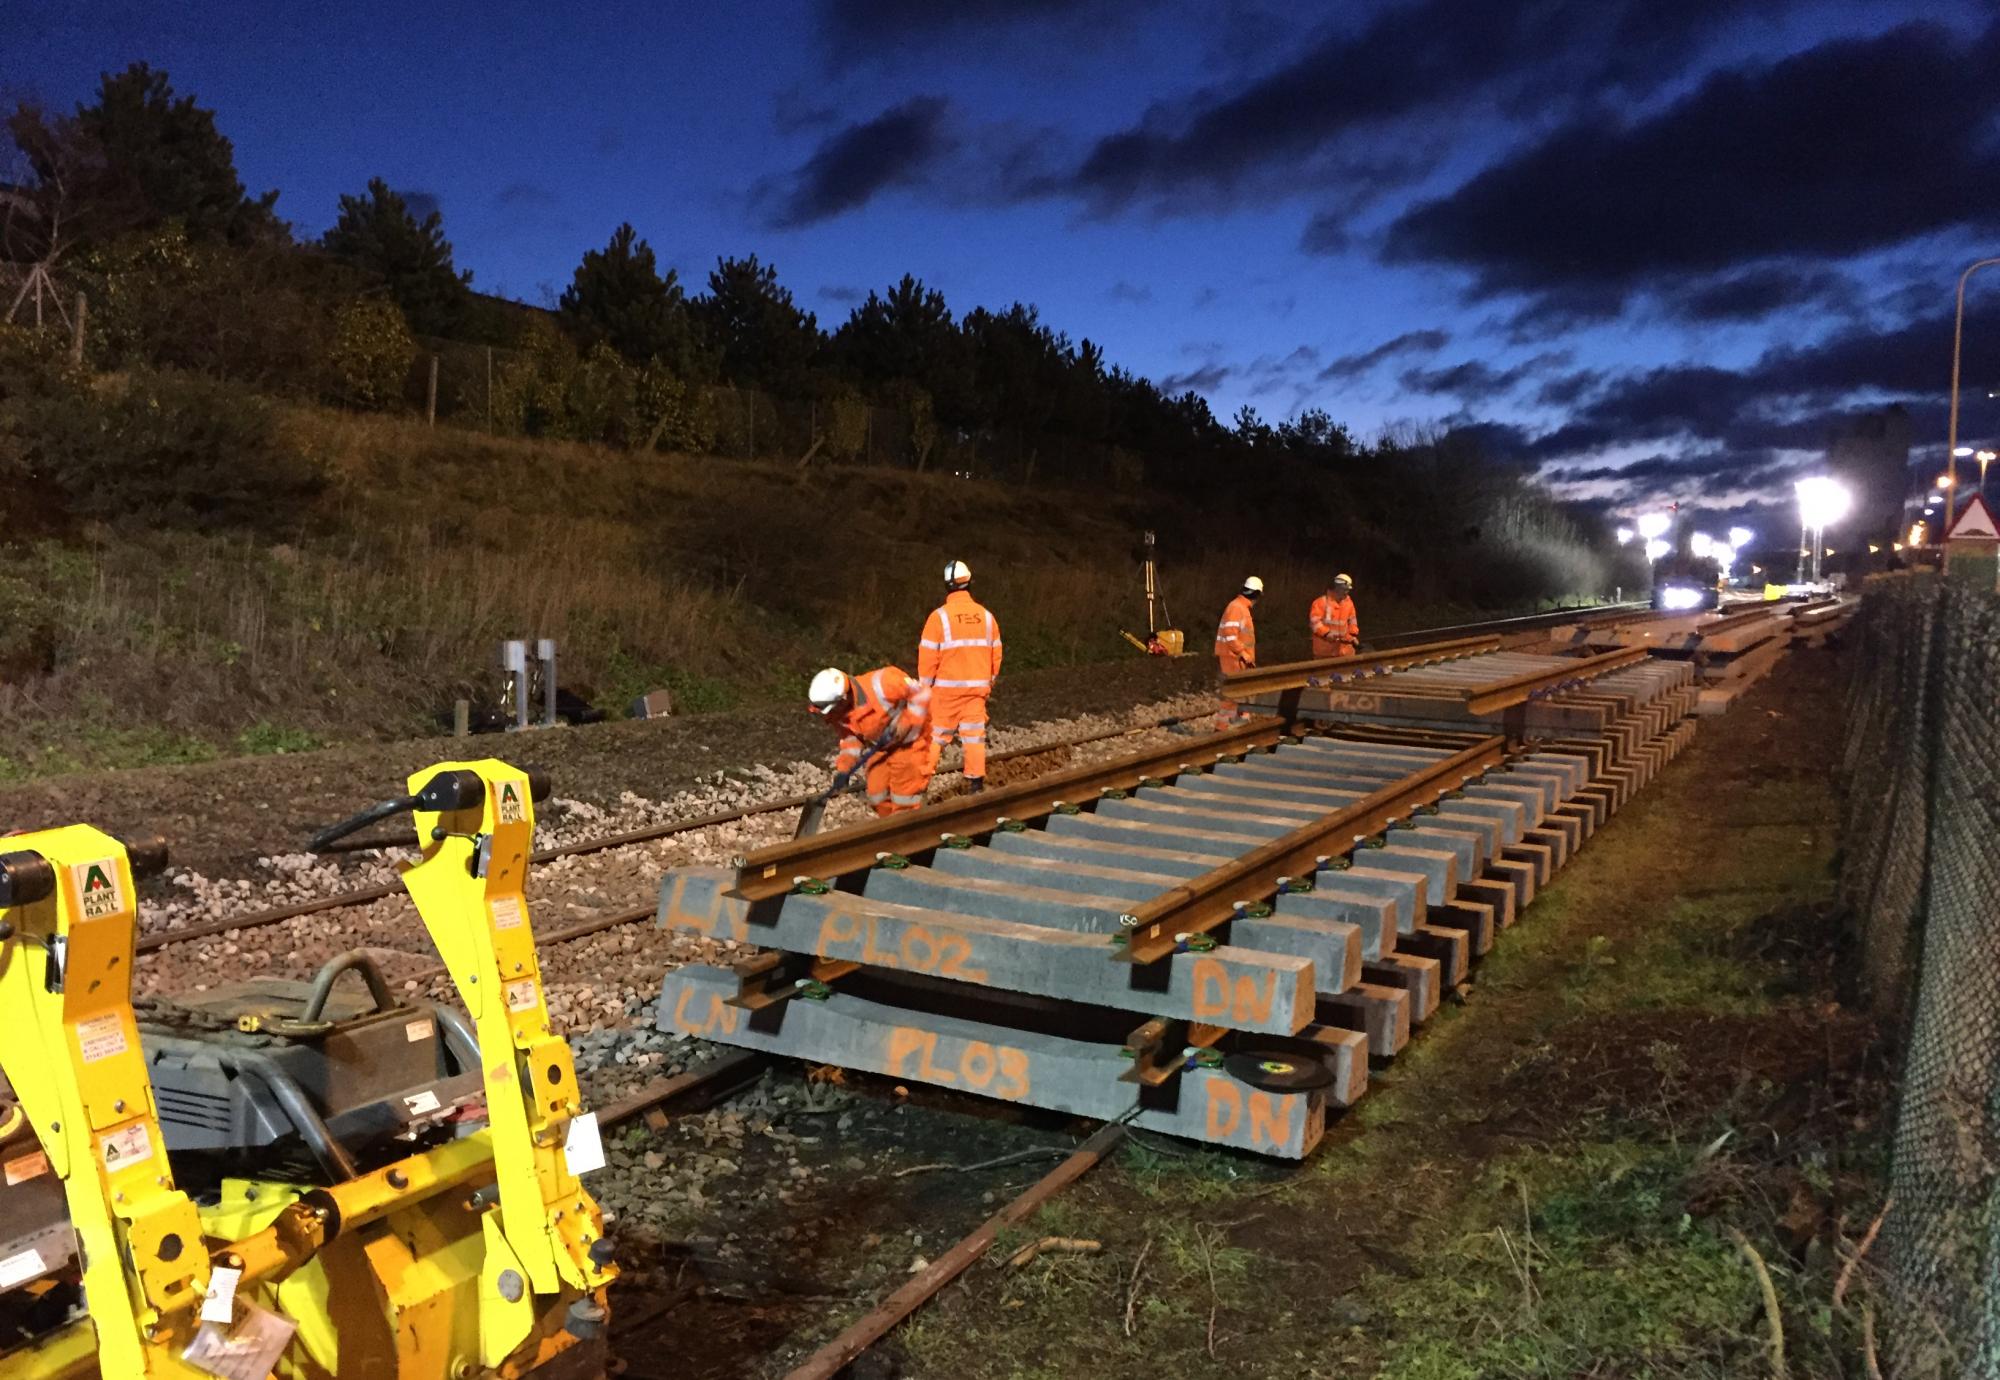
<point x="1504" y="694"/>
<point x="770" y="871"/>
<point x="1201" y="903"/>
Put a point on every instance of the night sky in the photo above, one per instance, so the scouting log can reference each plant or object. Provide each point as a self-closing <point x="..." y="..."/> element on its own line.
<point x="1655" y="246"/>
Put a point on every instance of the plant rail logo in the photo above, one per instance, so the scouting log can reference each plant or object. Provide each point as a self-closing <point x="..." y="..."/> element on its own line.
<point x="510" y="802"/>
<point x="99" y="896"/>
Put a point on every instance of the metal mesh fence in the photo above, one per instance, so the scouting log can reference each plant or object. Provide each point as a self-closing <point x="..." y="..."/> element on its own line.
<point x="1921" y="873"/>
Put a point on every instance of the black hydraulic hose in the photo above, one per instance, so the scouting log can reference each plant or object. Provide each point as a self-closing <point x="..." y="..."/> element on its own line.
<point x="354" y="960"/>
<point x="374" y="814"/>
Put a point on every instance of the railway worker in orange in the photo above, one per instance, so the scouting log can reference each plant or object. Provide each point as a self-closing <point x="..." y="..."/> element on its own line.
<point x="883" y="719"/>
<point x="1236" y="637"/>
<point x="1336" y="630"/>
<point x="958" y="656"/>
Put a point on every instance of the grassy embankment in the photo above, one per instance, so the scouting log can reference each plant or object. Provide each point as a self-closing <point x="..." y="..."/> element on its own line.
<point x="1558" y="1179"/>
<point x="365" y="613"/>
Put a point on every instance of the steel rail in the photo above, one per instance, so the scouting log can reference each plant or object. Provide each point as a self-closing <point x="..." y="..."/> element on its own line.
<point x="772" y="870"/>
<point x="359" y="896"/>
<point x="833" y="1358"/>
<point x="1589" y="614"/>
<point x="1300" y="675"/>
<point x="1155" y="929"/>
<point x="1504" y="694"/>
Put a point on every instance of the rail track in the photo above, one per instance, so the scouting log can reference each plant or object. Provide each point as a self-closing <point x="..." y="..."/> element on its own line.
<point x="1367" y="864"/>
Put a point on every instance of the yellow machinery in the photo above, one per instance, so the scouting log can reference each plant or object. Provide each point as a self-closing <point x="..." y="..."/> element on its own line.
<point x="128" y="1241"/>
<point x="451" y="1241"/>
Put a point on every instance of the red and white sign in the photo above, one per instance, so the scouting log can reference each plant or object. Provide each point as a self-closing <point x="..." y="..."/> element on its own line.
<point x="1975" y="523"/>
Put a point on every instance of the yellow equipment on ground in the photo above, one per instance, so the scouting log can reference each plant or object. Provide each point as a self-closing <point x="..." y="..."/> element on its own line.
<point x="439" y="1231"/>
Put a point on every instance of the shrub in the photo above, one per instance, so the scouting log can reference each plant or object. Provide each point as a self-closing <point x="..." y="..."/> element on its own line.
<point x="372" y="353"/>
<point x="165" y="447"/>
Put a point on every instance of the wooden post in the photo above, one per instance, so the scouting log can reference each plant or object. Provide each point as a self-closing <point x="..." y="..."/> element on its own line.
<point x="489" y="389"/>
<point x="431" y="395"/>
<point x="76" y="330"/>
<point x="461" y="718"/>
<point x="750" y="432"/>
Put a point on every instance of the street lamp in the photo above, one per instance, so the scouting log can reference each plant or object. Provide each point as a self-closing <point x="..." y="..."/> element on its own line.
<point x="1822" y="501"/>
<point x="1624" y="535"/>
<point x="1655" y="548"/>
<point x="1957" y="342"/>
<point x="1739" y="537"/>
<point x="1653" y="526"/>
<point x="1701" y="544"/>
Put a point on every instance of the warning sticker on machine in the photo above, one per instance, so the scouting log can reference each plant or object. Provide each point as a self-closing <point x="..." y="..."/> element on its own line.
<point x="422" y="1103"/>
<point x="21" y="1267"/>
<point x="22" y="1168"/>
<point x="511" y="793"/>
<point x="97" y="889"/>
<point x="506" y="912"/>
<point x="522" y="996"/>
<point x="415" y="1031"/>
<point x="100" y="1037"/>
<point x="123" y="1149"/>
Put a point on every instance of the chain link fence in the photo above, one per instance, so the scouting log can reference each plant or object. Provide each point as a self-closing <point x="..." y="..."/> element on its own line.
<point x="1921" y="875"/>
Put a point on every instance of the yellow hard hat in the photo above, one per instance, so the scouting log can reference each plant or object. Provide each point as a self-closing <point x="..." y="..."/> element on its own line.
<point x="1347" y="580"/>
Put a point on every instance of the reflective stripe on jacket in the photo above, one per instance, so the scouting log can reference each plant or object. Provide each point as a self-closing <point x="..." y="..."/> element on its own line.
<point x="960" y="648"/>
<point x="1334" y="619"/>
<point x="1238" y="632"/>
<point x="883" y="700"/>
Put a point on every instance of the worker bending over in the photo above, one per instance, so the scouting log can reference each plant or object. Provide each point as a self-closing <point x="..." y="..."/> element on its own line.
<point x="959" y="658"/>
<point x="1336" y="630"/>
<point x="881" y="718"/>
<point x="1236" y="637"/>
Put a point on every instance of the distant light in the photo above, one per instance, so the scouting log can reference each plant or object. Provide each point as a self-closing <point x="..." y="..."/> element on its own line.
<point x="1896" y="545"/>
<point x="1724" y="554"/>
<point x="1962" y="451"/>
<point x="1701" y="543"/>
<point x="1916" y="534"/>
<point x="1679" y="598"/>
<point x="1985" y="456"/>
<point x="1874" y="548"/>
<point x="1653" y="525"/>
<point x="1655" y="548"/>
<point x="1740" y="537"/>
<point x="1624" y="536"/>
<point x="1822" y="501"/>
<point x="1944" y="481"/>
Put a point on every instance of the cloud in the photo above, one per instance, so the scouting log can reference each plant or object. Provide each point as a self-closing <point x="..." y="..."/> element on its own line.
<point x="1408" y="343"/>
<point x="852" y="165"/>
<point x="845" y="295"/>
<point x="1207" y="297"/>
<point x="1134" y="293"/>
<point x="1847" y="148"/>
<point x="525" y="196"/>
<point x="1203" y="380"/>
<point x="1476" y="381"/>
<point x="1759" y="292"/>
<point x="1421" y="58"/>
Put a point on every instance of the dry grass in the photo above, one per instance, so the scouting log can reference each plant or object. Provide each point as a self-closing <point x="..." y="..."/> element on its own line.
<point x="728" y="580"/>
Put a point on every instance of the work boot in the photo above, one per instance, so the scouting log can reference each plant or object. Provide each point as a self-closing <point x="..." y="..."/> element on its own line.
<point x="975" y="784"/>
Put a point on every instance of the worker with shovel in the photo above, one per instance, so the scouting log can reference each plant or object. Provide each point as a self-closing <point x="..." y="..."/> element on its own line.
<point x="883" y="718"/>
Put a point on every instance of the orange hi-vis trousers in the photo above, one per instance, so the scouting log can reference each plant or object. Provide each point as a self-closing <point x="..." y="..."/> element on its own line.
<point x="896" y="781"/>
<point x="960" y="714"/>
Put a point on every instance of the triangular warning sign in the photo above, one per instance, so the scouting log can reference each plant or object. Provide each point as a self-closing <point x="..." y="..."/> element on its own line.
<point x="1976" y="522"/>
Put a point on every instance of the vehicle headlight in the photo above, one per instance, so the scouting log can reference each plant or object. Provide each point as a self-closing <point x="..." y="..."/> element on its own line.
<point x="1678" y="597"/>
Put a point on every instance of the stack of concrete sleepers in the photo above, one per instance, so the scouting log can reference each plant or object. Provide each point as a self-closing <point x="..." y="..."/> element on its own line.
<point x="995" y="965"/>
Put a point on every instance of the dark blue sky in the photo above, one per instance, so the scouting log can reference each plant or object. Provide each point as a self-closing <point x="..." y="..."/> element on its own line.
<point x="1656" y="244"/>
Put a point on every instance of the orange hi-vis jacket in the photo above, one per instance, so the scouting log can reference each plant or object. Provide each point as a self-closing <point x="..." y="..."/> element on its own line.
<point x="883" y="700"/>
<point x="960" y="647"/>
<point x="1236" y="638"/>
<point x="1334" y="624"/>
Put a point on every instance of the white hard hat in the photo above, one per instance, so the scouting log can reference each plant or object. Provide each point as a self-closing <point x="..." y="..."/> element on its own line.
<point x="957" y="573"/>
<point x="827" y="691"/>
<point x="1254" y="585"/>
<point x="1347" y="580"/>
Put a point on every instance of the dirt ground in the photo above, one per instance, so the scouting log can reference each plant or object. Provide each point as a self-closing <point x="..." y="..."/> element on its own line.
<point x="1655" y="1065"/>
<point x="218" y="817"/>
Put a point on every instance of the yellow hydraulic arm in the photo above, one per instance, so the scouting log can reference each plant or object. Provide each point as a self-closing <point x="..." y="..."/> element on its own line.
<point x="476" y="825"/>
<point x="71" y="1050"/>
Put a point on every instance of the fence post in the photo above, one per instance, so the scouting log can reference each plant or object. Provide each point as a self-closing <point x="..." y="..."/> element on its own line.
<point x="76" y="330"/>
<point x="489" y="390"/>
<point x="431" y="395"/>
<point x="750" y="431"/>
